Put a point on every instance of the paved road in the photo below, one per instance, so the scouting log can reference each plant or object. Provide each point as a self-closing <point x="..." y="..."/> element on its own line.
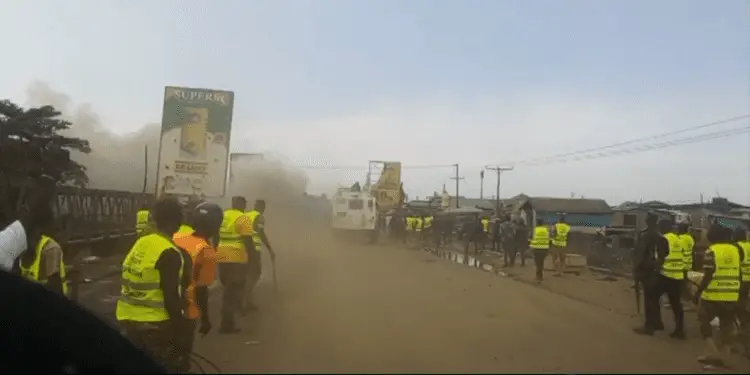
<point x="356" y="308"/>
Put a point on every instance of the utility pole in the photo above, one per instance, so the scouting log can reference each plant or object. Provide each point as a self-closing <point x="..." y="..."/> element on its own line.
<point x="499" y="170"/>
<point x="458" y="179"/>
<point x="481" y="185"/>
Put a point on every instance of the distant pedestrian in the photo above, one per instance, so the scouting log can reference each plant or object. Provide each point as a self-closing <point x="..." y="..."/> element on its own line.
<point x="472" y="233"/>
<point x="559" y="237"/>
<point x="540" y="244"/>
<point x="520" y="242"/>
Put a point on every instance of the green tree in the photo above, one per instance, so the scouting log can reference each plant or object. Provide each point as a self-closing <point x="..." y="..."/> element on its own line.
<point x="31" y="144"/>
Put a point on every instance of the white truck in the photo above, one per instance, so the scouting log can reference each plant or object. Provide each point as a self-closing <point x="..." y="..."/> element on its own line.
<point x="355" y="210"/>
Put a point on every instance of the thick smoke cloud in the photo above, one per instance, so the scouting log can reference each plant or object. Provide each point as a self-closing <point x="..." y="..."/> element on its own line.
<point x="117" y="162"/>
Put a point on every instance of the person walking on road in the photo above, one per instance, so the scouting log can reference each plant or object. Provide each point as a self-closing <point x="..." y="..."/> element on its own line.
<point x="669" y="281"/>
<point x="559" y="235"/>
<point x="540" y="244"/>
<point x="235" y="243"/>
<point x="718" y="294"/>
<point x="645" y="268"/>
<point x="260" y="240"/>
<point x="154" y="274"/>
<point x="506" y="236"/>
<point x="471" y="232"/>
<point x="206" y="218"/>
<point x="520" y="243"/>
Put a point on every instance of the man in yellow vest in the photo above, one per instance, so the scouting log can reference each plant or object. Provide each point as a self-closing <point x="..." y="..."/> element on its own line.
<point x="142" y="221"/>
<point x="44" y="264"/>
<point x="485" y="236"/>
<point x="260" y="240"/>
<point x="669" y="281"/>
<point x="560" y="244"/>
<point x="155" y="273"/>
<point x="235" y="243"/>
<point x="743" y="303"/>
<point x="688" y="244"/>
<point x="718" y="294"/>
<point x="540" y="245"/>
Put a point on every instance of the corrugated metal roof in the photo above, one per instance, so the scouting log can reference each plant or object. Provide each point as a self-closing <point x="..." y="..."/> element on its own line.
<point x="569" y="205"/>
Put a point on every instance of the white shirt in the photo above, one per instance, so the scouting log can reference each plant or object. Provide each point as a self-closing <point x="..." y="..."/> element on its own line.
<point x="12" y="244"/>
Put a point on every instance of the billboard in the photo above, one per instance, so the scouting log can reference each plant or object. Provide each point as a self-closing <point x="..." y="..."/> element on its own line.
<point x="194" y="145"/>
<point x="388" y="188"/>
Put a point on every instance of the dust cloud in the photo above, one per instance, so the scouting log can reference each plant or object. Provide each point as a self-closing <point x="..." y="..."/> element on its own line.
<point x="117" y="162"/>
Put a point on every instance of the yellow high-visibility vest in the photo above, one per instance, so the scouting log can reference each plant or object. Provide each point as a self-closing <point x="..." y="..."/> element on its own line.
<point x="254" y="214"/>
<point x="32" y="272"/>
<point x="688" y="244"/>
<point x="410" y="222"/>
<point x="142" y="224"/>
<point x="231" y="247"/>
<point x="428" y="222"/>
<point x="561" y="235"/>
<point x="418" y="224"/>
<point x="725" y="285"/>
<point x="142" y="299"/>
<point x="540" y="240"/>
<point x="745" y="245"/>
<point x="674" y="263"/>
<point x="486" y="225"/>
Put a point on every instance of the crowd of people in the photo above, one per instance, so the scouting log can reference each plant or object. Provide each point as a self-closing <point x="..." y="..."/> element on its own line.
<point x="496" y="233"/>
<point x="662" y="265"/>
<point x="168" y="271"/>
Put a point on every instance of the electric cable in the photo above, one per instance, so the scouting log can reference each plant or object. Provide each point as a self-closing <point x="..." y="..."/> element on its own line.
<point x="643" y="148"/>
<point x="196" y="358"/>
<point x="635" y="140"/>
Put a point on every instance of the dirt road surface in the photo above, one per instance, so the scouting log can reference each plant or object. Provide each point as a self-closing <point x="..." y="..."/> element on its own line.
<point x="346" y="308"/>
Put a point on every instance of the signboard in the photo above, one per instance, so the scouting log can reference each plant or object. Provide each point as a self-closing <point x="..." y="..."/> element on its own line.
<point x="388" y="188"/>
<point x="194" y="145"/>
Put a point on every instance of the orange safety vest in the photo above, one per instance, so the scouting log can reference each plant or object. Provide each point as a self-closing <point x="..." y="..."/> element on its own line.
<point x="194" y="246"/>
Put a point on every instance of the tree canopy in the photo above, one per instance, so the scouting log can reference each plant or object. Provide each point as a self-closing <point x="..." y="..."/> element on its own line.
<point x="32" y="143"/>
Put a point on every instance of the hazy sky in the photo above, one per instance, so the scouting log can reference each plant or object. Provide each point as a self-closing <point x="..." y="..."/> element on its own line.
<point x="423" y="82"/>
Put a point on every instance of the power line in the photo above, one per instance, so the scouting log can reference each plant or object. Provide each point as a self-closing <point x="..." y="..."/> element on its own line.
<point x="647" y="147"/>
<point x="632" y="141"/>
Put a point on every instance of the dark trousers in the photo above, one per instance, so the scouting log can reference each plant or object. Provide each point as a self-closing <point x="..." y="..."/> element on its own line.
<point x="510" y="250"/>
<point x="158" y="339"/>
<point x="743" y="316"/>
<point x="233" y="277"/>
<point x="185" y="341"/>
<point x="657" y="287"/>
<point x="539" y="256"/>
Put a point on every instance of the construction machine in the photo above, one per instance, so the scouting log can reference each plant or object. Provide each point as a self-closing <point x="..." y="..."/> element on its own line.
<point x="363" y="209"/>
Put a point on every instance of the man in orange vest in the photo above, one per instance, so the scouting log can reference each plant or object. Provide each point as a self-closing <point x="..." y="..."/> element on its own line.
<point x="206" y="220"/>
